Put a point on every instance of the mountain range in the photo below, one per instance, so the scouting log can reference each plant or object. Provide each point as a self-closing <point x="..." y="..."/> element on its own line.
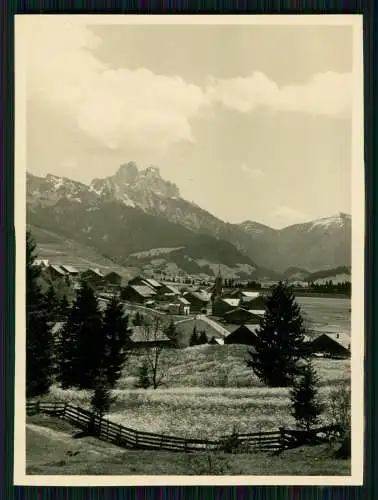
<point x="138" y="219"/>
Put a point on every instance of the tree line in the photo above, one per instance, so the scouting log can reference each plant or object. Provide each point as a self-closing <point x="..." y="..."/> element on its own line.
<point x="344" y="287"/>
<point x="90" y="350"/>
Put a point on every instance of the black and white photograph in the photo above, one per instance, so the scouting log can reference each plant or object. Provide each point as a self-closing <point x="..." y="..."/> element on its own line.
<point x="189" y="250"/>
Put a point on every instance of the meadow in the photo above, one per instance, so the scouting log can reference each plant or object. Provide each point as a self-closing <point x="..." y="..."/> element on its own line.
<point x="208" y="392"/>
<point x="326" y="314"/>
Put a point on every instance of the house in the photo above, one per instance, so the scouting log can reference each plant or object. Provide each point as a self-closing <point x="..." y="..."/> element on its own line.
<point x="113" y="280"/>
<point x="179" y="306"/>
<point x="331" y="345"/>
<point x="244" y="334"/>
<point x="43" y="263"/>
<point x="241" y="316"/>
<point x="167" y="293"/>
<point x="141" y="338"/>
<point x="139" y="294"/>
<point x="221" y="306"/>
<point x="70" y="270"/>
<point x="199" y="302"/>
<point x="93" y="277"/>
<point x="55" y="272"/>
<point x="142" y="281"/>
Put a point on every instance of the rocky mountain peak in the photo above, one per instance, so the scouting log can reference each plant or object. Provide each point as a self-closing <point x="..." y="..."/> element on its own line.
<point x="140" y="188"/>
<point x="127" y="173"/>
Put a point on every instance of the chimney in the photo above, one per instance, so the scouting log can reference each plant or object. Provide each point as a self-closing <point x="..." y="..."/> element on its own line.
<point x="337" y="336"/>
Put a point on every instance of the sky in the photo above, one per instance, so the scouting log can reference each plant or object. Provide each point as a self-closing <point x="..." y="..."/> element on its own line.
<point x="251" y="122"/>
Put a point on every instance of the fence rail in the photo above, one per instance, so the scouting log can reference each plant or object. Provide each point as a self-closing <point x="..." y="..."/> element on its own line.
<point x="120" y="435"/>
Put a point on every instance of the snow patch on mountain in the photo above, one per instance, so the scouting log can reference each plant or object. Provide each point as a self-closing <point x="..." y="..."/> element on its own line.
<point x="336" y="221"/>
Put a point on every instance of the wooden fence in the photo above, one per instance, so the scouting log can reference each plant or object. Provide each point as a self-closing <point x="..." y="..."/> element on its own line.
<point x="88" y="421"/>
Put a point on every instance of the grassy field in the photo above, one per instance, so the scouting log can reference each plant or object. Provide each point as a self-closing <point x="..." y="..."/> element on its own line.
<point x="324" y="313"/>
<point x="54" y="447"/>
<point x="208" y="391"/>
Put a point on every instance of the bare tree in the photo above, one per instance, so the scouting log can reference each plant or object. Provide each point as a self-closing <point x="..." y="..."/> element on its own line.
<point x="157" y="346"/>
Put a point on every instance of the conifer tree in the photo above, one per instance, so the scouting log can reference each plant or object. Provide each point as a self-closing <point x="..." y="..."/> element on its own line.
<point x="82" y="348"/>
<point x="171" y="332"/>
<point x="101" y="398"/>
<point x="281" y="344"/>
<point x="116" y="339"/>
<point x="305" y="404"/>
<point x="52" y="300"/>
<point x="38" y="333"/>
<point x="143" y="375"/>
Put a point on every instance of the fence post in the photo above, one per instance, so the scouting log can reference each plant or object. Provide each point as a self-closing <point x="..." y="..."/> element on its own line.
<point x="65" y="409"/>
<point x="37" y="407"/>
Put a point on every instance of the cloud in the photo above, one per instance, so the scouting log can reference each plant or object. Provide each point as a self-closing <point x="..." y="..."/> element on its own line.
<point x="284" y="216"/>
<point x="123" y="108"/>
<point x="116" y="107"/>
<point x="327" y="94"/>
<point x="255" y="173"/>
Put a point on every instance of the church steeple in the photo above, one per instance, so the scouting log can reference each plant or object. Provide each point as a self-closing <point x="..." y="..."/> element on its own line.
<point x="218" y="284"/>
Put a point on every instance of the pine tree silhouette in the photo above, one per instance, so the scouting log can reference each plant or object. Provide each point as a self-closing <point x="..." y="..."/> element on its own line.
<point x="38" y="333"/>
<point x="82" y="345"/>
<point x="116" y="339"/>
<point x="305" y="404"/>
<point x="280" y="346"/>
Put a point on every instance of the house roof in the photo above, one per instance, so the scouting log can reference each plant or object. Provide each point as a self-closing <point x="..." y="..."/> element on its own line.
<point x="257" y="312"/>
<point x="340" y="338"/>
<point x="96" y="271"/>
<point x="173" y="289"/>
<point x="41" y="262"/>
<point x="57" y="269"/>
<point x="252" y="328"/>
<point x="231" y="302"/>
<point x="69" y="269"/>
<point x="249" y="294"/>
<point x="183" y="301"/>
<point x="204" y="297"/>
<point x="143" y="290"/>
<point x="113" y="273"/>
<point x="152" y="282"/>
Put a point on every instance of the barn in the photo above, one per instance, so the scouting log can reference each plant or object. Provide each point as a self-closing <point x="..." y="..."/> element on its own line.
<point x="55" y="272"/>
<point x="113" y="279"/>
<point x="179" y="306"/>
<point x="222" y="306"/>
<point x="139" y="294"/>
<point x="244" y="334"/>
<point x="332" y="345"/>
<point x="142" y="281"/>
<point x="199" y="302"/>
<point x="241" y="316"/>
<point x="93" y="277"/>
